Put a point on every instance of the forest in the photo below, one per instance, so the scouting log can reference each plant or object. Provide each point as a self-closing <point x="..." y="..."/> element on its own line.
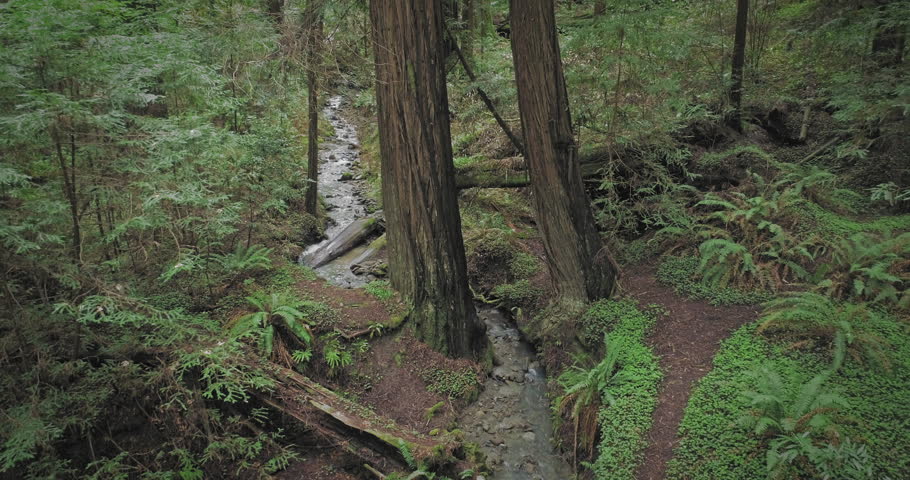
<point x="455" y="239"/>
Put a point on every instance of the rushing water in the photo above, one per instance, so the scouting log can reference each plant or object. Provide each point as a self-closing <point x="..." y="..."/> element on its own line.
<point x="511" y="419"/>
<point x="344" y="202"/>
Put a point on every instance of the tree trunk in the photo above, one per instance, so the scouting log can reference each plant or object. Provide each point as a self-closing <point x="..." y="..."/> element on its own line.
<point x="739" y="59"/>
<point x="600" y="7"/>
<point x="579" y="264"/>
<point x="469" y="18"/>
<point x="426" y="250"/>
<point x="274" y="8"/>
<point x="313" y="23"/>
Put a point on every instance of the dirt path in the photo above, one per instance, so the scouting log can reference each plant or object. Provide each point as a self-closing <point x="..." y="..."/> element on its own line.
<point x="686" y="341"/>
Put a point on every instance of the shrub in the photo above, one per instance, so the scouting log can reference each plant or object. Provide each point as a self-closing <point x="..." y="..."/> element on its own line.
<point x="814" y="321"/>
<point x="275" y="323"/>
<point x="869" y="266"/>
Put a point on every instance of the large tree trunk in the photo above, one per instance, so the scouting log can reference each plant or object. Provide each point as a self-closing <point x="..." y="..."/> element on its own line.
<point x="739" y="59"/>
<point x="426" y="250"/>
<point x="579" y="264"/>
<point x="313" y="24"/>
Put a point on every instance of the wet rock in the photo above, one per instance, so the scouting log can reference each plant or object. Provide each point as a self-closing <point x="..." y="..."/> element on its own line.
<point x="528" y="436"/>
<point x="511" y="374"/>
<point x="376" y="268"/>
<point x="352" y="146"/>
<point x="346" y="177"/>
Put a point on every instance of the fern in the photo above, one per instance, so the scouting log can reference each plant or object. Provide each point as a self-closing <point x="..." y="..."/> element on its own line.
<point x="275" y="322"/>
<point x="242" y="259"/>
<point x="867" y="266"/>
<point x="585" y="390"/>
<point x="775" y="410"/>
<point x="812" y="320"/>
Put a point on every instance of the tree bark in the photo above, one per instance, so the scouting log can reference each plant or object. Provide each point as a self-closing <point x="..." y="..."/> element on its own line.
<point x="313" y="23"/>
<point x="469" y="18"/>
<point x="600" y="7"/>
<point x="739" y="59"/>
<point x="579" y="264"/>
<point x="426" y="250"/>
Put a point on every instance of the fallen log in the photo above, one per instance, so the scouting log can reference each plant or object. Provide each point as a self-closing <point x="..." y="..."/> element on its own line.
<point x="372" y="252"/>
<point x="512" y="172"/>
<point x="355" y="234"/>
<point x="351" y="424"/>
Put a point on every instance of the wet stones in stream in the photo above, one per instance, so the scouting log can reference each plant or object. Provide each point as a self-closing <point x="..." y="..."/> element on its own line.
<point x="510" y="421"/>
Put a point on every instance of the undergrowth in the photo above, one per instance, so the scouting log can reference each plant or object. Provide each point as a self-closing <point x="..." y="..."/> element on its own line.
<point x="712" y="447"/>
<point x="682" y="273"/>
<point x="625" y="419"/>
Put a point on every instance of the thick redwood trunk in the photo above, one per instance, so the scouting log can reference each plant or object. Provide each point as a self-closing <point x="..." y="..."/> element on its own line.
<point x="579" y="264"/>
<point x="739" y="59"/>
<point x="426" y="250"/>
<point x="313" y="23"/>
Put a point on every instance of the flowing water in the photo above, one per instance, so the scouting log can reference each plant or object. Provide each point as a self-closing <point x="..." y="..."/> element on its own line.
<point x="511" y="420"/>
<point x="343" y="199"/>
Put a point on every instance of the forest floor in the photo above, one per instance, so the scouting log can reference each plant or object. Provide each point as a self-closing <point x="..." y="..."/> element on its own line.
<point x="685" y="340"/>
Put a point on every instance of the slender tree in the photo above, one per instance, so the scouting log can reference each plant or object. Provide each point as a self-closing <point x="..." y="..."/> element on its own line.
<point x="600" y="7"/>
<point x="739" y="59"/>
<point x="580" y="266"/>
<point x="313" y="24"/>
<point x="426" y="250"/>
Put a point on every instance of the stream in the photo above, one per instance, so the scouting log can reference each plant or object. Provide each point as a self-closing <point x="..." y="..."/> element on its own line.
<point x="510" y="420"/>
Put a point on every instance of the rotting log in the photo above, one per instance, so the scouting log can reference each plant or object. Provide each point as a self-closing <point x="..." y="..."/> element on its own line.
<point x="352" y="425"/>
<point x="352" y="236"/>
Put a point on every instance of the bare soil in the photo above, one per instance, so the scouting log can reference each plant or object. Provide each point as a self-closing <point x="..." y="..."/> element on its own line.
<point x="685" y="341"/>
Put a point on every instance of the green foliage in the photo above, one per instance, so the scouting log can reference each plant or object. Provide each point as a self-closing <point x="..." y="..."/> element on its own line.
<point x="815" y="321"/>
<point x="586" y="390"/>
<point x="869" y="266"/>
<point x="711" y="449"/>
<point x="747" y="244"/>
<point x="242" y="259"/>
<point x="776" y="410"/>
<point x="682" y="273"/>
<point x="451" y="383"/>
<point x="623" y="425"/>
<point x="519" y="294"/>
<point x="275" y="323"/>
<point x="380" y="289"/>
<point x="336" y="355"/>
<point x="889" y="193"/>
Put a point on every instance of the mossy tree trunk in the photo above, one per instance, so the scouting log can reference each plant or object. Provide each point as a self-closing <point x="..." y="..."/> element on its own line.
<point x="426" y="250"/>
<point x="313" y="25"/>
<point x="579" y="264"/>
<point x="600" y="7"/>
<point x="739" y="59"/>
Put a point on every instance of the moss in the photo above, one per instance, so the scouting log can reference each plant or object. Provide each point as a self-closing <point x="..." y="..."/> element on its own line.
<point x="521" y="294"/>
